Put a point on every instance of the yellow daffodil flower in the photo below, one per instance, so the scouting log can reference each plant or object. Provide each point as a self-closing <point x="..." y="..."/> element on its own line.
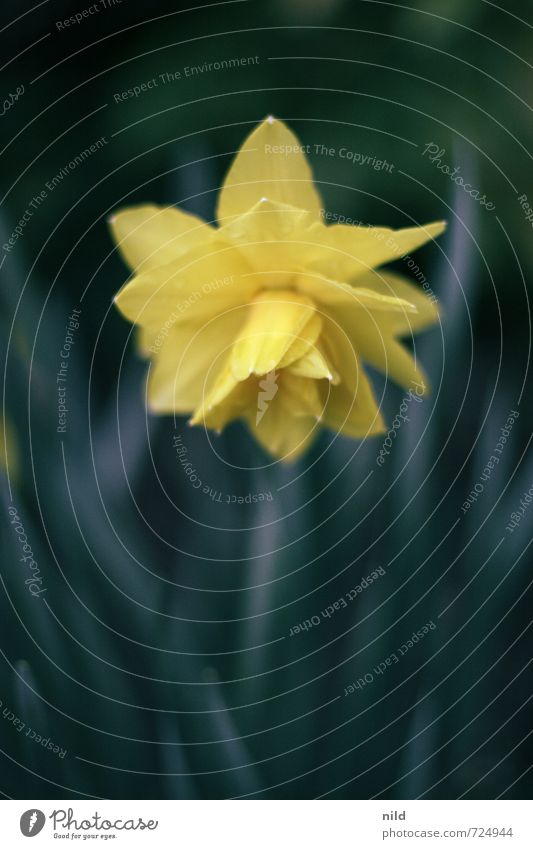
<point x="269" y="316"/>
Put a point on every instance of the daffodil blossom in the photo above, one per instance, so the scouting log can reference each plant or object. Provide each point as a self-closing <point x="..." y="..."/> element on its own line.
<point x="269" y="315"/>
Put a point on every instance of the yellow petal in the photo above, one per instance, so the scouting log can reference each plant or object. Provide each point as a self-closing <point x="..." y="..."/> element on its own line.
<point x="270" y="164"/>
<point x="282" y="410"/>
<point x="151" y="235"/>
<point x="277" y="320"/>
<point x="189" y="362"/>
<point x="229" y="398"/>
<point x="303" y="343"/>
<point x="353" y="414"/>
<point x="315" y="364"/>
<point x="351" y="406"/>
<point x="330" y="291"/>
<point x="345" y="252"/>
<point x="300" y="395"/>
<point x="394" y="360"/>
<point x="144" y="339"/>
<point x="202" y="284"/>
<point x="401" y="323"/>
<point x="376" y="346"/>
<point x="281" y="434"/>
<point x="272" y="238"/>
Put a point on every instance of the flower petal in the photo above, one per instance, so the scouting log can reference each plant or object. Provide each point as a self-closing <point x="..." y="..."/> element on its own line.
<point x="351" y="406"/>
<point x="304" y="341"/>
<point x="393" y="359"/>
<point x="394" y="285"/>
<point x="271" y="164"/>
<point x="284" y="424"/>
<point x="356" y="415"/>
<point x="277" y="320"/>
<point x="374" y="343"/>
<point x="144" y="339"/>
<point x="202" y="284"/>
<point x="300" y="395"/>
<point x="281" y="434"/>
<point x="330" y="291"/>
<point x="345" y="252"/>
<point x="315" y="364"/>
<point x="151" y="235"/>
<point x="272" y="236"/>
<point x="228" y="399"/>
<point x="189" y="362"/>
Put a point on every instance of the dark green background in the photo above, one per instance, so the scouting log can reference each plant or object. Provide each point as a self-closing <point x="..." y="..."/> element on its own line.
<point x="159" y="656"/>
